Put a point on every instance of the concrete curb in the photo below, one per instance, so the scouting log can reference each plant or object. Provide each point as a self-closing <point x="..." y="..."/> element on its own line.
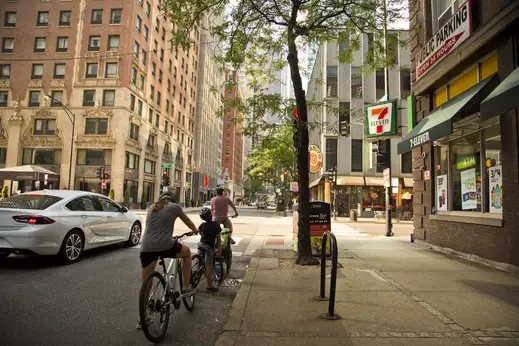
<point x="471" y="257"/>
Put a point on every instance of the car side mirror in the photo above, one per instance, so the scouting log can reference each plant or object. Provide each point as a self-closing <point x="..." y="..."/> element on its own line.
<point x="124" y="210"/>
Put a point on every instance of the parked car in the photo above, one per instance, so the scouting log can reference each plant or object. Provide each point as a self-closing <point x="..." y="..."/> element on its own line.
<point x="261" y="205"/>
<point x="64" y="223"/>
<point x="207" y="204"/>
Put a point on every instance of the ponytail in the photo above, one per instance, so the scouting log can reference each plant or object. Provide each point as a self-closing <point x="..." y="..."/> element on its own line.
<point x="159" y="205"/>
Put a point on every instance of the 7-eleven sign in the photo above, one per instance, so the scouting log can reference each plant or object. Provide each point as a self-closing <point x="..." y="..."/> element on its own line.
<point x="381" y="120"/>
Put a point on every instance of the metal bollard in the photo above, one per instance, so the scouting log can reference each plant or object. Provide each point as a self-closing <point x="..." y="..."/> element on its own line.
<point x="330" y="315"/>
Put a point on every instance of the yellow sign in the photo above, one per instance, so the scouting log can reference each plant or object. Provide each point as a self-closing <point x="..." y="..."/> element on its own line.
<point x="316" y="158"/>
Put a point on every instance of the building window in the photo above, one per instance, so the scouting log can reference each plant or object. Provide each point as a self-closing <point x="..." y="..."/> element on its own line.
<point x="10" y="19"/>
<point x="5" y="71"/>
<point x="141" y="82"/>
<point x="155" y="46"/>
<point x="160" y="76"/>
<point x="474" y="182"/>
<point x="59" y="71"/>
<point x="169" y="84"/>
<point x="43" y="19"/>
<point x="4" y="95"/>
<point x="227" y="152"/>
<point x="356" y="82"/>
<point x="159" y="95"/>
<point x="41" y="157"/>
<point x="138" y="24"/>
<point x="62" y="45"/>
<point x="157" y="120"/>
<point x="113" y="42"/>
<point x="94" y="157"/>
<point x="37" y="71"/>
<point x="134" y="132"/>
<point x="331" y="153"/>
<point x="331" y="81"/>
<point x="148" y="7"/>
<point x="150" y="115"/>
<point x="95" y="126"/>
<point x="111" y="70"/>
<point x="108" y="98"/>
<point x="405" y="83"/>
<point x="153" y="68"/>
<point x="149" y="190"/>
<point x="178" y="175"/>
<point x="91" y="70"/>
<point x="3" y="155"/>
<point x="97" y="17"/>
<point x="34" y="98"/>
<point x="116" y="16"/>
<point x="89" y="97"/>
<point x="57" y="98"/>
<point x="407" y="162"/>
<point x="380" y="84"/>
<point x="140" y="107"/>
<point x="132" y="161"/>
<point x="44" y="127"/>
<point x="151" y="142"/>
<point x="442" y="11"/>
<point x="143" y="57"/>
<point x="39" y="44"/>
<point x="146" y="33"/>
<point x="356" y="155"/>
<point x="132" y="102"/>
<point x="139" y="2"/>
<point x="392" y="46"/>
<point x="134" y="75"/>
<point x="136" y="48"/>
<point x="64" y="18"/>
<point x="7" y="45"/>
<point x="149" y="166"/>
<point x="94" y="43"/>
<point x="157" y="24"/>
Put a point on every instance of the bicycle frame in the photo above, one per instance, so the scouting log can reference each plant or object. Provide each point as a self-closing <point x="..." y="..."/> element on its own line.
<point x="173" y="269"/>
<point x="225" y="237"/>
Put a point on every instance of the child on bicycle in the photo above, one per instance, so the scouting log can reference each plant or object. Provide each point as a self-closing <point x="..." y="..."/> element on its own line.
<point x="209" y="235"/>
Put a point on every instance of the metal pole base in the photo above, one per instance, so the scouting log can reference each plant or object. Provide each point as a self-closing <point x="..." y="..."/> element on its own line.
<point x="331" y="318"/>
<point x="390" y="234"/>
<point x="321" y="299"/>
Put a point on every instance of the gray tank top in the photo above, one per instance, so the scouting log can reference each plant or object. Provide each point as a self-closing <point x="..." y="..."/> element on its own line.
<point x="158" y="235"/>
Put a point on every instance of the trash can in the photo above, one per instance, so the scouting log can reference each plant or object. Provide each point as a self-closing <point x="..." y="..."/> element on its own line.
<point x="353" y="215"/>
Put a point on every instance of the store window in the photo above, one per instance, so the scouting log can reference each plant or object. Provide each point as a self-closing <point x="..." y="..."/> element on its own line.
<point x="133" y="187"/>
<point x="331" y="153"/>
<point x="468" y="173"/>
<point x="406" y="160"/>
<point x="94" y="157"/>
<point x="149" y="189"/>
<point x="41" y="156"/>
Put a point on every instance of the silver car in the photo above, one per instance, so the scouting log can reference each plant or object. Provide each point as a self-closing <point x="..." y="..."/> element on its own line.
<point x="64" y="223"/>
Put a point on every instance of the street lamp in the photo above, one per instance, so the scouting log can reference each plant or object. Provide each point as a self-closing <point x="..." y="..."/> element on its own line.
<point x="72" y="118"/>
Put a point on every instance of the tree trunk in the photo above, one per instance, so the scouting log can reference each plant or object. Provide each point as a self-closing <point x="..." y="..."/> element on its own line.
<point x="304" y="253"/>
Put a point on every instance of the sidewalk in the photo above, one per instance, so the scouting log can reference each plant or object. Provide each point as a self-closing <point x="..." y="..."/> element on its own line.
<point x="389" y="292"/>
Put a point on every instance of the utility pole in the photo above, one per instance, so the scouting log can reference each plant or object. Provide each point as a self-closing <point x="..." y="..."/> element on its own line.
<point x="389" y="225"/>
<point x="335" y="194"/>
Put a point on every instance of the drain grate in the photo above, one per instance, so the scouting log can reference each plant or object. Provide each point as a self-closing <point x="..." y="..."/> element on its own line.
<point x="275" y="241"/>
<point x="230" y="282"/>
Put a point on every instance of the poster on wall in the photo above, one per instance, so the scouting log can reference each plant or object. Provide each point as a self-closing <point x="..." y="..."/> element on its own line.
<point x="469" y="193"/>
<point x="441" y="192"/>
<point x="495" y="189"/>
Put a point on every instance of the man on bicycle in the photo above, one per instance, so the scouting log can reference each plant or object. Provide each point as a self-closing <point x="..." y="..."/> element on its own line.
<point x="220" y="207"/>
<point x="209" y="238"/>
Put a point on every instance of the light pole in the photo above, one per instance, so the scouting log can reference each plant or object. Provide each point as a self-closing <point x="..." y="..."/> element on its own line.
<point x="72" y="118"/>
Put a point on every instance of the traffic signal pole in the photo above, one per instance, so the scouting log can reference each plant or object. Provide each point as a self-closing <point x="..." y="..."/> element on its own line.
<point x="389" y="225"/>
<point x="335" y="195"/>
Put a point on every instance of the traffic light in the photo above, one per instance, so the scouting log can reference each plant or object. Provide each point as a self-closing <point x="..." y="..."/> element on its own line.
<point x="344" y="121"/>
<point x="165" y="180"/>
<point x="285" y="172"/>
<point x="100" y="172"/>
<point x="297" y="134"/>
<point x="381" y="153"/>
<point x="106" y="176"/>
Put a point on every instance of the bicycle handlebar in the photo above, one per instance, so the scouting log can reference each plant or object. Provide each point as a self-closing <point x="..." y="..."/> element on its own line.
<point x="187" y="234"/>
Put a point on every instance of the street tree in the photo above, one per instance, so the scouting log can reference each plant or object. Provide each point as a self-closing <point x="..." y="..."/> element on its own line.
<point x="263" y="35"/>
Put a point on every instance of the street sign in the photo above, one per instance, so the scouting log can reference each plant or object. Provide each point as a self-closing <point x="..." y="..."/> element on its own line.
<point x="294" y="186"/>
<point x="387" y="179"/>
<point x="103" y="184"/>
<point x="166" y="165"/>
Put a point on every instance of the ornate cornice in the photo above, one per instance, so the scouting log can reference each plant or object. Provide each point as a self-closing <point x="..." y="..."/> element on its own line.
<point x="133" y="146"/>
<point x="98" y="112"/>
<point x="16" y="116"/>
<point x="30" y="140"/>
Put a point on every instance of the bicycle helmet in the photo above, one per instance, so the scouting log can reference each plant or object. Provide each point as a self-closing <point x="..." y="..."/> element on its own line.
<point x="206" y="214"/>
<point x="167" y="195"/>
<point x="219" y="191"/>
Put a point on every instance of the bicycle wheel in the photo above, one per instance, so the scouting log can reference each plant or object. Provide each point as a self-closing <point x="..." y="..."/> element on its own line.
<point x="218" y="273"/>
<point x="228" y="259"/>
<point x="196" y="270"/>
<point x="189" y="302"/>
<point x="153" y="302"/>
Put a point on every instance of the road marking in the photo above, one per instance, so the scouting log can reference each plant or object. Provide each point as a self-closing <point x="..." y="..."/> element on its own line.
<point x="341" y="230"/>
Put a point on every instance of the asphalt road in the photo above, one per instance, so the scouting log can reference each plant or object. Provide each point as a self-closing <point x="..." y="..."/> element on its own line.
<point x="94" y="301"/>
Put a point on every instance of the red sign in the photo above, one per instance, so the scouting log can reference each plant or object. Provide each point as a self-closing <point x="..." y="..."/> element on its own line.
<point x="206" y="182"/>
<point x="103" y="184"/>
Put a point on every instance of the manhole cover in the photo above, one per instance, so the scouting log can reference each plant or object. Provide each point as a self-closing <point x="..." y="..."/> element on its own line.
<point x="229" y="282"/>
<point x="275" y="241"/>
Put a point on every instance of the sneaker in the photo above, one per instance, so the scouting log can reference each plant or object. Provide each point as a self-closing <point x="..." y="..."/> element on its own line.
<point x="139" y="325"/>
<point x="232" y="241"/>
<point x="212" y="289"/>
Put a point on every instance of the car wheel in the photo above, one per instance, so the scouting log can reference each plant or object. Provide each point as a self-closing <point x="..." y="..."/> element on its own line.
<point x="135" y="235"/>
<point x="72" y="247"/>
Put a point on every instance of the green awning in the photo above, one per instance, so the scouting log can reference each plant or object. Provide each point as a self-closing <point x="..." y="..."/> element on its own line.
<point x="504" y="98"/>
<point x="438" y="124"/>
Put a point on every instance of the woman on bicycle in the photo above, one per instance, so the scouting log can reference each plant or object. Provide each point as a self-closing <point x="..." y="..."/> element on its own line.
<point x="209" y="237"/>
<point x="158" y="238"/>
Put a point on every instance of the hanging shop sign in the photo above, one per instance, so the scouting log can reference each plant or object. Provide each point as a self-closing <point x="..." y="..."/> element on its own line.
<point x="316" y="158"/>
<point x="381" y="120"/>
<point x="456" y="30"/>
<point x="467" y="161"/>
<point x="495" y="188"/>
<point x="441" y="193"/>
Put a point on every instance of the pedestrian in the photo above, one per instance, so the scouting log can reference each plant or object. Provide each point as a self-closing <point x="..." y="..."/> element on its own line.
<point x="192" y="202"/>
<point x="209" y="236"/>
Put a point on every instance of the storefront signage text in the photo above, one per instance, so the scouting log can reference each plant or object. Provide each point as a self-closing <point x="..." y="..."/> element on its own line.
<point x="451" y="35"/>
<point x="381" y="120"/>
<point x="464" y="162"/>
<point x="316" y="158"/>
<point x="419" y="140"/>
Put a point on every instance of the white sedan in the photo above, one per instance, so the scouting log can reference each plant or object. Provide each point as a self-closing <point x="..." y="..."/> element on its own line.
<point x="64" y="223"/>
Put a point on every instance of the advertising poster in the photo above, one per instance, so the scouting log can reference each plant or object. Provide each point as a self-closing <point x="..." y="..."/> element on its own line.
<point x="441" y="193"/>
<point x="469" y="193"/>
<point x="495" y="189"/>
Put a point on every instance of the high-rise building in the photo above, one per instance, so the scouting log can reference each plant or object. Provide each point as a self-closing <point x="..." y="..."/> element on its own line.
<point x="346" y="89"/>
<point x="232" y="152"/>
<point x="130" y="94"/>
<point x="208" y="125"/>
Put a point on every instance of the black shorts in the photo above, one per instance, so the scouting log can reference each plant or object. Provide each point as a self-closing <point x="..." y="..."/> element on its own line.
<point x="148" y="257"/>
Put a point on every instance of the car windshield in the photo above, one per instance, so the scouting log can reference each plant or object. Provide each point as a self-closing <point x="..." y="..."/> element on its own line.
<point x="38" y="202"/>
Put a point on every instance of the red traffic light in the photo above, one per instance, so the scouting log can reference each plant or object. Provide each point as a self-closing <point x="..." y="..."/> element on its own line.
<point x="106" y="176"/>
<point x="285" y="172"/>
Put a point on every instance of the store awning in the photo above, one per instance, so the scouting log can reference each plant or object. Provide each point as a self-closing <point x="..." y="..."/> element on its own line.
<point x="374" y="181"/>
<point x="27" y="172"/>
<point x="439" y="123"/>
<point x="349" y="180"/>
<point x="503" y="98"/>
<point x="408" y="182"/>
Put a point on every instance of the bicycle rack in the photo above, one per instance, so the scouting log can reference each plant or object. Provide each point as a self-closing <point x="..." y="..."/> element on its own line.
<point x="330" y="315"/>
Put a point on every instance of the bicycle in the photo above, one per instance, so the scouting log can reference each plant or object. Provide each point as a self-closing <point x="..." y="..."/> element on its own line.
<point x="199" y="268"/>
<point x="161" y="303"/>
<point x="226" y="246"/>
